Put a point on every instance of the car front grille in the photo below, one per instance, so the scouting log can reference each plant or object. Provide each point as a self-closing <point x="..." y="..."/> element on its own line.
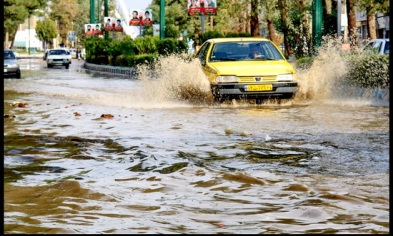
<point x="249" y="79"/>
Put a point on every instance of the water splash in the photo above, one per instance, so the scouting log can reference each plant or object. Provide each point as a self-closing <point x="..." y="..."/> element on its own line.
<point x="327" y="78"/>
<point x="176" y="78"/>
<point x="328" y="68"/>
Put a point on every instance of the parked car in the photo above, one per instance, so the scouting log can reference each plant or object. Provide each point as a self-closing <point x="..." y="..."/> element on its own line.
<point x="247" y="68"/>
<point x="379" y="46"/>
<point x="11" y="65"/>
<point x="58" y="57"/>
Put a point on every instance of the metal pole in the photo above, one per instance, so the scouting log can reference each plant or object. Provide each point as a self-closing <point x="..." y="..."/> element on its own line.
<point x="203" y="23"/>
<point x="28" y="48"/>
<point x="98" y="11"/>
<point x="162" y="19"/>
<point x="338" y="18"/>
<point x="106" y="14"/>
<point x="92" y="18"/>
<point x="317" y="22"/>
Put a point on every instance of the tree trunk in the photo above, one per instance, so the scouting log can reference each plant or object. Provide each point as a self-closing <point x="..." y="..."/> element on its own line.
<point x="371" y="27"/>
<point x="270" y="27"/>
<point x="305" y="26"/>
<point x="283" y="12"/>
<point x="6" y="39"/>
<point x="351" y="11"/>
<point x="254" y="21"/>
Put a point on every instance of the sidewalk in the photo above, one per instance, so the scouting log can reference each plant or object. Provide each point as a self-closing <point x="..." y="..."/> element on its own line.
<point x="26" y="55"/>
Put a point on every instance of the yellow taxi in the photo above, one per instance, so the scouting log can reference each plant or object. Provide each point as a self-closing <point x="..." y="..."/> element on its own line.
<point x="247" y="68"/>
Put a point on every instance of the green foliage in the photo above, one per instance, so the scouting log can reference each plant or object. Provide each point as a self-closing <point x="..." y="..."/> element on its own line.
<point x="133" y="61"/>
<point x="369" y="71"/>
<point x="236" y="35"/>
<point x="145" y="45"/>
<point x="123" y="46"/>
<point x="211" y="35"/>
<point x="171" y="31"/>
<point x="46" y="30"/>
<point x="97" y="50"/>
<point x="166" y="47"/>
<point x="304" y="63"/>
<point x="16" y="12"/>
<point x="215" y="34"/>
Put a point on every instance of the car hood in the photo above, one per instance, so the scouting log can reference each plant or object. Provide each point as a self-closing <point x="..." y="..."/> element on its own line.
<point x="252" y="68"/>
<point x="57" y="56"/>
<point x="10" y="61"/>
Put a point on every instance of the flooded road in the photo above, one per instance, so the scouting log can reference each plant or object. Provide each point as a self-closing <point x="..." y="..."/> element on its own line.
<point x="92" y="153"/>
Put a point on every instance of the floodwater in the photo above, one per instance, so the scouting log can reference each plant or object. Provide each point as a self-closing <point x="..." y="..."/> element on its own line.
<point x="92" y="153"/>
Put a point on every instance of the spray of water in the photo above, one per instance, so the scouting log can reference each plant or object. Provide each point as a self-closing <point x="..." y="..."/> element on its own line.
<point x="329" y="77"/>
<point x="328" y="69"/>
<point x="176" y="78"/>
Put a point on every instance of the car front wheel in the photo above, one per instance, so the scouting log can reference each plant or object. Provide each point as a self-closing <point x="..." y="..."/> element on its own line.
<point x="67" y="66"/>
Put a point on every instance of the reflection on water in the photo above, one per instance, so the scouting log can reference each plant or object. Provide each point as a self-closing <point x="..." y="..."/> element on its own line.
<point x="171" y="160"/>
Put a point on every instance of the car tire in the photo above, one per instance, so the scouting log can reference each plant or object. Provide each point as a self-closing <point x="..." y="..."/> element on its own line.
<point x="49" y="65"/>
<point x="18" y="75"/>
<point x="67" y="66"/>
<point x="217" y="96"/>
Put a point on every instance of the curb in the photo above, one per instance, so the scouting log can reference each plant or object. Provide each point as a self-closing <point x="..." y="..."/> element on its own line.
<point x="126" y="71"/>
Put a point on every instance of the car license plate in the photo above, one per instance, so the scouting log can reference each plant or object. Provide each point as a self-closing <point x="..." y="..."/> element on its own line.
<point x="259" y="87"/>
<point x="5" y="70"/>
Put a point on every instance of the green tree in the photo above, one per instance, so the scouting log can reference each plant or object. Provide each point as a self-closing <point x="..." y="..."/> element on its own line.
<point x="46" y="31"/>
<point x="351" y="15"/>
<point x="372" y="7"/>
<point x="63" y="12"/>
<point x="15" y="13"/>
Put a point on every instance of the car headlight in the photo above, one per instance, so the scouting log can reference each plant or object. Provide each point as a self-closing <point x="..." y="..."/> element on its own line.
<point x="286" y="77"/>
<point x="226" y="79"/>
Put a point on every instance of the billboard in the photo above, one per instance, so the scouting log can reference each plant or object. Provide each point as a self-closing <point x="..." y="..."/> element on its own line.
<point x="93" y="29"/>
<point x="113" y="24"/>
<point x="141" y="17"/>
<point x="202" y="7"/>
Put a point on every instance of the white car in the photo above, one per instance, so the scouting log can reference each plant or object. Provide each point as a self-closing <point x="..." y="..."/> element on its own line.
<point x="58" y="57"/>
<point x="380" y="46"/>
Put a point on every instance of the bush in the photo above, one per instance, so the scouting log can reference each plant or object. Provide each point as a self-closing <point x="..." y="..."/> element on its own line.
<point x="304" y="62"/>
<point x="145" y="45"/>
<point x="369" y="70"/>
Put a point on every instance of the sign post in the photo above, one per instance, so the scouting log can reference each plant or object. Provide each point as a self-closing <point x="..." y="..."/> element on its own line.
<point x="162" y="19"/>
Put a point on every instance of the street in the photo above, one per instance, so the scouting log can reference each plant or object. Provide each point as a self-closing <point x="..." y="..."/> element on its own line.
<point x="99" y="153"/>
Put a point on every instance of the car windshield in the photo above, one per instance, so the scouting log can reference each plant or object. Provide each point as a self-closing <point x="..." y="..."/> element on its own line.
<point x="9" y="55"/>
<point x="244" y="51"/>
<point x="57" y="52"/>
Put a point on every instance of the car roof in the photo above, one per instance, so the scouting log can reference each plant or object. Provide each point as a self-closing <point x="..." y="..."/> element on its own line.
<point x="59" y="49"/>
<point x="220" y="40"/>
<point x="376" y="40"/>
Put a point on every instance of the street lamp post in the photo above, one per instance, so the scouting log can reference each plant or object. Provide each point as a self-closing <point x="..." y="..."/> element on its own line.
<point x="162" y="19"/>
<point x="28" y="34"/>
